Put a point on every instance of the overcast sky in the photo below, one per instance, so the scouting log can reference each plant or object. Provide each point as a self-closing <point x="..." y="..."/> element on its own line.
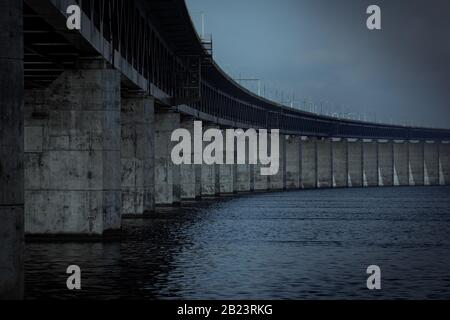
<point x="322" y="50"/>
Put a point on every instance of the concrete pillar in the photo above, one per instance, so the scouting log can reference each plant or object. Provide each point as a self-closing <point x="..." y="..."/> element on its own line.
<point x="190" y="174"/>
<point x="167" y="174"/>
<point x="309" y="163"/>
<point x="355" y="163"/>
<point x="444" y="163"/>
<point x="293" y="162"/>
<point x="11" y="150"/>
<point x="416" y="163"/>
<point x="277" y="181"/>
<point x="385" y="163"/>
<point x="72" y="145"/>
<point x="227" y="178"/>
<point x="210" y="175"/>
<point x="340" y="162"/>
<point x="431" y="164"/>
<point x="324" y="164"/>
<point x="370" y="163"/>
<point x="401" y="162"/>
<point x="244" y="177"/>
<point x="137" y="155"/>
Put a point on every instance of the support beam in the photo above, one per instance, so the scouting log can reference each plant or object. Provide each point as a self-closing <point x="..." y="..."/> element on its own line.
<point x="293" y="162"/>
<point x="355" y="163"/>
<point x="324" y="164"/>
<point x="431" y="164"/>
<point x="401" y="161"/>
<point x="190" y="174"/>
<point x="340" y="163"/>
<point x="385" y="163"/>
<point x="370" y="163"/>
<point x="137" y="154"/>
<point x="72" y="145"/>
<point x="416" y="163"/>
<point x="309" y="163"/>
<point x="167" y="175"/>
<point x="11" y="150"/>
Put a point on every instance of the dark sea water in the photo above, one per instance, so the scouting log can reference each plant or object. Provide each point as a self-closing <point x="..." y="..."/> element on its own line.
<point x="313" y="244"/>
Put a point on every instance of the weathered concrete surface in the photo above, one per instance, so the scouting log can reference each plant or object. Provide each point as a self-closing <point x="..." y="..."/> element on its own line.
<point x="293" y="162"/>
<point x="385" y="163"/>
<point x="431" y="164"/>
<point x="444" y="161"/>
<point x="210" y="174"/>
<point x="401" y="162"/>
<point x="137" y="155"/>
<point x="340" y="165"/>
<point x="355" y="164"/>
<point x="227" y="178"/>
<point x="324" y="164"/>
<point x="370" y="163"/>
<point x="309" y="163"/>
<point x="167" y="175"/>
<point x="190" y="174"/>
<point x="278" y="181"/>
<point x="416" y="163"/>
<point x="11" y="150"/>
<point x="261" y="183"/>
<point x="72" y="160"/>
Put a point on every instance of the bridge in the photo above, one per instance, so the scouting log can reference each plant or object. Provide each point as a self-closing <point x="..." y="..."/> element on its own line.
<point x="86" y="119"/>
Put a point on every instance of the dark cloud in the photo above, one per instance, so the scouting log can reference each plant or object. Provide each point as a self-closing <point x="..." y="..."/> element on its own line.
<point x="322" y="49"/>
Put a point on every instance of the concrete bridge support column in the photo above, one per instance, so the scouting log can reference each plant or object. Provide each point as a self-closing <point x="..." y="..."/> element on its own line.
<point x="293" y="162"/>
<point x="370" y="163"/>
<point x="210" y="175"/>
<point x="261" y="183"/>
<point x="309" y="163"/>
<point x="190" y="174"/>
<point x="167" y="174"/>
<point x="339" y="157"/>
<point x="355" y="163"/>
<point x="277" y="182"/>
<point x="444" y="161"/>
<point x="431" y="164"/>
<point x="137" y="154"/>
<point x="401" y="162"/>
<point x="244" y="174"/>
<point x="11" y="150"/>
<point x="416" y="163"/>
<point x="72" y="150"/>
<point x="385" y="163"/>
<point x="324" y="164"/>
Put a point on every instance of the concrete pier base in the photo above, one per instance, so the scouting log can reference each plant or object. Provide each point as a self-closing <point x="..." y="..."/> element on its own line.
<point x="355" y="163"/>
<point x="309" y="163"/>
<point x="444" y="164"/>
<point x="370" y="163"/>
<point x="277" y="182"/>
<point x="11" y="150"/>
<point x="210" y="174"/>
<point x="401" y="162"/>
<point x="190" y="174"/>
<point x="72" y="154"/>
<point x="137" y="154"/>
<point x="324" y="164"/>
<point x="416" y="163"/>
<point x="339" y="150"/>
<point x="431" y="164"/>
<point x="167" y="175"/>
<point x="293" y="162"/>
<point x="385" y="163"/>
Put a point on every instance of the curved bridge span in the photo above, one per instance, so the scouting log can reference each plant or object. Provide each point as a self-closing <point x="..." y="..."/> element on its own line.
<point x="155" y="46"/>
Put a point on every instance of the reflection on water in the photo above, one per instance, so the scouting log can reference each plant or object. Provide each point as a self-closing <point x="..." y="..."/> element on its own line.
<point x="294" y="245"/>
